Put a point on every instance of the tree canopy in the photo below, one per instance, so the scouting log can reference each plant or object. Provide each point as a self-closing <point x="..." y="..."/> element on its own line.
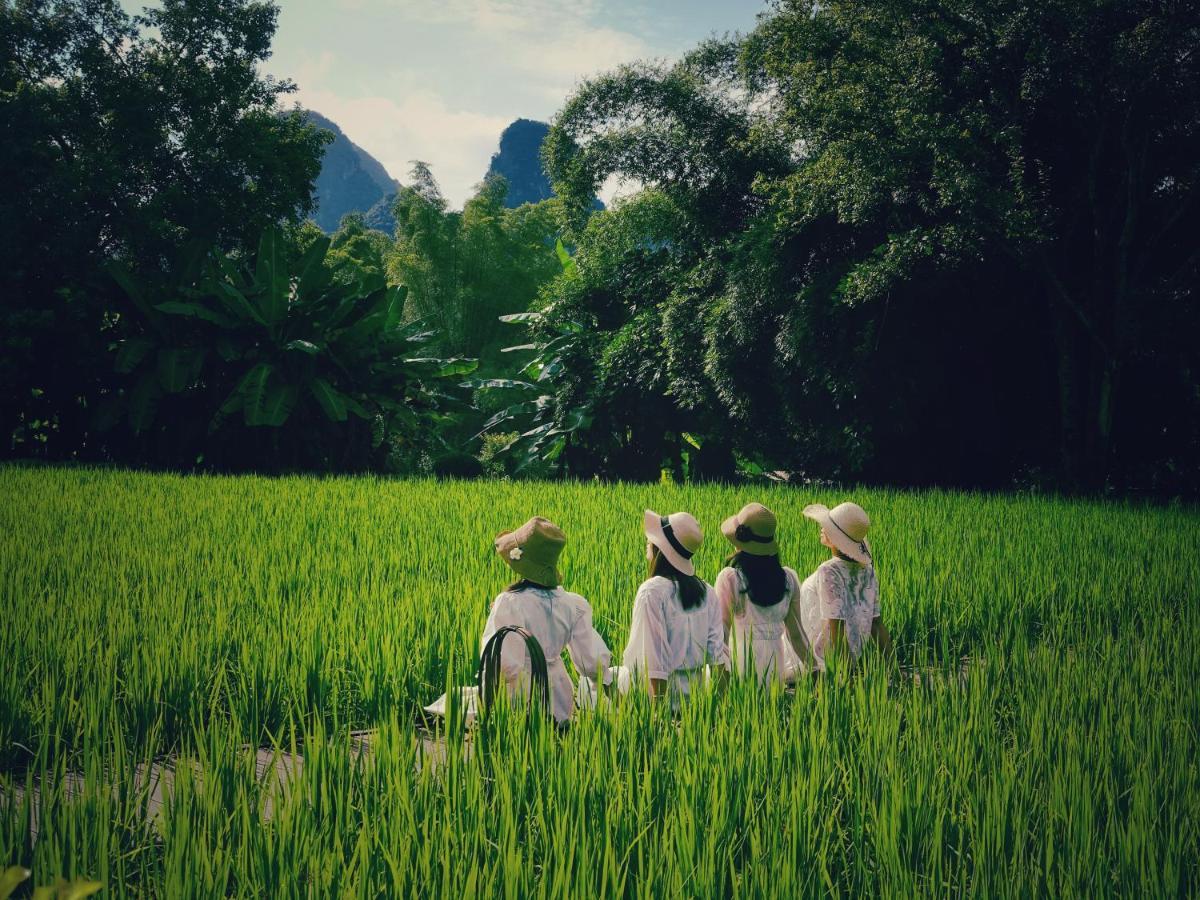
<point x="913" y="241"/>
<point x="909" y="242"/>
<point x="125" y="137"/>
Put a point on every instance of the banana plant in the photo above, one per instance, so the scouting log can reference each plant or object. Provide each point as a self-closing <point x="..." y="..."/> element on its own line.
<point x="268" y="338"/>
<point x="547" y="428"/>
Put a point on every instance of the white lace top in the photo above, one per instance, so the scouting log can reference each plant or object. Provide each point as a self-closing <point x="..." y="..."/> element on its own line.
<point x="838" y="590"/>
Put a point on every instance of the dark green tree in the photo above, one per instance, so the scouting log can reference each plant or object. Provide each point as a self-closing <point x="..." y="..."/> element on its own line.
<point x="652" y="269"/>
<point x="1061" y="137"/>
<point x="276" y="362"/>
<point x="466" y="269"/>
<point x="355" y="249"/>
<point x="918" y="241"/>
<point x="125" y="137"/>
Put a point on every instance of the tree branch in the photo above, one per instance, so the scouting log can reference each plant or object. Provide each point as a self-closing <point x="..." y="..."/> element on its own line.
<point x="1070" y="303"/>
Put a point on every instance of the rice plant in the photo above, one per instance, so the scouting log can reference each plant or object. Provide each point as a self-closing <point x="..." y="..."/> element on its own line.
<point x="213" y="623"/>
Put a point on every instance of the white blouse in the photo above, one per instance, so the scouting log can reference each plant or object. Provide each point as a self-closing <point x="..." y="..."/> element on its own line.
<point x="671" y="643"/>
<point x="836" y="590"/>
<point x="757" y="632"/>
<point x="560" y="621"/>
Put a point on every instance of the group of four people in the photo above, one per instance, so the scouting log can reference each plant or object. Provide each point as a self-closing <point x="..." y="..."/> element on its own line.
<point x="757" y="619"/>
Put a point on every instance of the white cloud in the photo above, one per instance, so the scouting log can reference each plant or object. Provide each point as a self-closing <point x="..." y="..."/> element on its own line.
<point x="418" y="125"/>
<point x="546" y="40"/>
<point x="314" y="69"/>
<point x="542" y="48"/>
<point x="618" y="187"/>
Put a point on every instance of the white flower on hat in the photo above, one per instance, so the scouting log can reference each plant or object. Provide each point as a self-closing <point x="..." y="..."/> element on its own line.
<point x="514" y="553"/>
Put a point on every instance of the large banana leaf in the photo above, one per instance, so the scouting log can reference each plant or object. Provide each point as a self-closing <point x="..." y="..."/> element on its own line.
<point x="266" y="398"/>
<point x="382" y="311"/>
<point x="130" y="352"/>
<point x="394" y="314"/>
<point x="511" y="413"/>
<point x="178" y="368"/>
<point x="272" y="280"/>
<point x="143" y="402"/>
<point x="331" y="400"/>
<point x="445" y="368"/>
<point x="497" y="383"/>
<point x="279" y="402"/>
<point x="521" y="318"/>
<point x="313" y="277"/>
<point x="307" y="347"/>
<point x="235" y="401"/>
<point x="254" y="393"/>
<point x="196" y="311"/>
<point x="235" y="301"/>
<point x="565" y="259"/>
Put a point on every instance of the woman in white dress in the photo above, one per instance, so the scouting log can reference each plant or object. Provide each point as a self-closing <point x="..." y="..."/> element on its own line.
<point x="559" y="619"/>
<point x="838" y="604"/>
<point x="676" y="637"/>
<point x="755" y="591"/>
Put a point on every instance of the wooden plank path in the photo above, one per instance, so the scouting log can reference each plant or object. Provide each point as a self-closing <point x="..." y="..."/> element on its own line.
<point x="156" y="781"/>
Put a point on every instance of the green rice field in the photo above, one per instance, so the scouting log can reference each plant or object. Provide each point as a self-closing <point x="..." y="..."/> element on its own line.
<point x="1040" y="738"/>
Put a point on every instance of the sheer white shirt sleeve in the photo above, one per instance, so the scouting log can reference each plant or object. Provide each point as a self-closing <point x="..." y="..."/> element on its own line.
<point x="729" y="597"/>
<point x="718" y="652"/>
<point x="588" y="652"/>
<point x="647" y="650"/>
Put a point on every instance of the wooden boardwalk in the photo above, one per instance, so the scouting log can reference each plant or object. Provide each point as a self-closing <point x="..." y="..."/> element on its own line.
<point x="156" y="781"/>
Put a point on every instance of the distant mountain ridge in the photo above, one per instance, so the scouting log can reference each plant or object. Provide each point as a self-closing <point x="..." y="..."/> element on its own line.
<point x="351" y="179"/>
<point x="519" y="161"/>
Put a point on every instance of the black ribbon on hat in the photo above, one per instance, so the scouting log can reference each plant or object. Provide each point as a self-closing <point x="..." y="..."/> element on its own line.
<point x="669" y="534"/>
<point x="745" y="535"/>
<point x="862" y="545"/>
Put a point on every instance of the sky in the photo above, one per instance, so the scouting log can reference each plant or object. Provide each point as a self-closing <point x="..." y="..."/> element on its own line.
<point x="438" y="80"/>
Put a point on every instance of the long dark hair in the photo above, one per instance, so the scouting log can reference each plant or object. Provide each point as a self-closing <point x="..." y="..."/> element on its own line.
<point x="766" y="582"/>
<point x="692" y="590"/>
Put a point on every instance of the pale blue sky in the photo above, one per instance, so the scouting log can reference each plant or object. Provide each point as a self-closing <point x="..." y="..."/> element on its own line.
<point x="438" y="81"/>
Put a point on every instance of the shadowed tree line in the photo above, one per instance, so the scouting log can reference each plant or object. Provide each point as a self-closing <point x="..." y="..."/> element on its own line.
<point x="919" y="242"/>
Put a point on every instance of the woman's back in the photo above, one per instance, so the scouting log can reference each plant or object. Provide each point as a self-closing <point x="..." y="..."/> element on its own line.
<point x="755" y="629"/>
<point x="838" y="589"/>
<point x="560" y="620"/>
<point x="549" y="614"/>
<point x="665" y="639"/>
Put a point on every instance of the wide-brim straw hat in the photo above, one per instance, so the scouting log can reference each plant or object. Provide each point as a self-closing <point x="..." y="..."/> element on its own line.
<point x="532" y="550"/>
<point x="752" y="530"/>
<point x="846" y="526"/>
<point x="677" y="537"/>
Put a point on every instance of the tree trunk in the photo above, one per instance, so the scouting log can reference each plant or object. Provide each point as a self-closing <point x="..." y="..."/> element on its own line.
<point x="1098" y="458"/>
<point x="1070" y="396"/>
<point x="1087" y="399"/>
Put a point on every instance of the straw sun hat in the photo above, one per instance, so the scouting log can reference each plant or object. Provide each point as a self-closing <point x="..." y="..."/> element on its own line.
<point x="677" y="536"/>
<point x="752" y="530"/>
<point x="846" y="526"/>
<point x="532" y="550"/>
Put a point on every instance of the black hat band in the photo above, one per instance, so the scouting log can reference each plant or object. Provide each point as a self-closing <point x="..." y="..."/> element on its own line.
<point x="669" y="534"/>
<point x="745" y="535"/>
